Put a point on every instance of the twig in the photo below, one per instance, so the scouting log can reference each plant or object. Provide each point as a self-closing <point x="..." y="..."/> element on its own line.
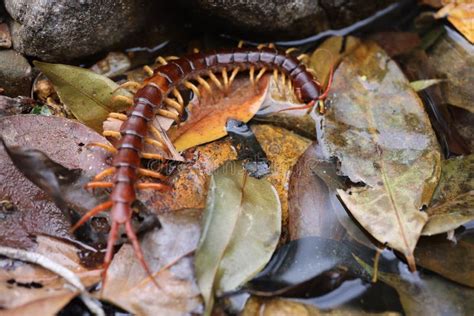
<point x="52" y="266"/>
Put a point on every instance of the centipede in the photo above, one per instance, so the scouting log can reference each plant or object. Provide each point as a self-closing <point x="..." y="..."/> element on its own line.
<point x="159" y="95"/>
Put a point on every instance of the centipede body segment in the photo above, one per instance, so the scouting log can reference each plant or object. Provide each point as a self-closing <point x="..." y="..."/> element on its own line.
<point x="159" y="95"/>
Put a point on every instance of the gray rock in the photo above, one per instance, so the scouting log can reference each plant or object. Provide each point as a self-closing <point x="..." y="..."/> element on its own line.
<point x="61" y="30"/>
<point x="282" y="19"/>
<point x="15" y="73"/>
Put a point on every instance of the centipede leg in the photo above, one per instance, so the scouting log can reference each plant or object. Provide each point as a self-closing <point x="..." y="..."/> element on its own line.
<point x="260" y="74"/>
<point x="118" y="116"/>
<point x="150" y="173"/>
<point x="99" y="184"/>
<point x="114" y="134"/>
<point x="109" y="148"/>
<point x="204" y="83"/>
<point x="96" y="210"/>
<point x="104" y="173"/>
<point x="160" y="60"/>
<point x="138" y="251"/>
<point x="215" y="80"/>
<point x="193" y="88"/>
<point x="122" y="99"/>
<point x="175" y="105"/>
<point x="233" y="74"/>
<point x="252" y="75"/>
<point x="131" y="85"/>
<point x="148" y="70"/>
<point x="110" y="250"/>
<point x="153" y="186"/>
<point x="155" y="143"/>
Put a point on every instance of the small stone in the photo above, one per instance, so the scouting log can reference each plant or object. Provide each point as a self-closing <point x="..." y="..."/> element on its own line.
<point x="5" y="38"/>
<point x="15" y="73"/>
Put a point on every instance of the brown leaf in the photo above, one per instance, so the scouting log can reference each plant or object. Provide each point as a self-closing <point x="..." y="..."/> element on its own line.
<point x="25" y="286"/>
<point x="454" y="261"/>
<point x="209" y="113"/>
<point x="128" y="285"/>
<point x="283" y="148"/>
<point x="396" y="43"/>
<point x="31" y="211"/>
<point x="388" y="146"/>
<point x="461" y="15"/>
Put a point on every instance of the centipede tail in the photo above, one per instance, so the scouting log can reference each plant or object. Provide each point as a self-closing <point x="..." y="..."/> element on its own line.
<point x="159" y="95"/>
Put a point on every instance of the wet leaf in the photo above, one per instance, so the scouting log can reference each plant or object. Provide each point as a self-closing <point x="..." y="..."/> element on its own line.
<point x="168" y="252"/>
<point x="310" y="268"/>
<point x="423" y="84"/>
<point x="453" y="58"/>
<point x="453" y="200"/>
<point x="87" y="94"/>
<point x="32" y="212"/>
<point x="428" y="294"/>
<point x="280" y="307"/>
<point x="25" y="286"/>
<point x="241" y="228"/>
<point x="283" y="148"/>
<point x="209" y="113"/>
<point x="453" y="260"/>
<point x="387" y="146"/>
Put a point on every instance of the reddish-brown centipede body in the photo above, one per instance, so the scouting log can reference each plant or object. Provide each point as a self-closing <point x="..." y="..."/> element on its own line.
<point x="151" y="99"/>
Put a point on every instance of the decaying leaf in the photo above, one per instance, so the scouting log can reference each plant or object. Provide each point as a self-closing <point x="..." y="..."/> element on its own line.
<point x="241" y="228"/>
<point x="88" y="95"/>
<point x="168" y="252"/>
<point x="283" y="148"/>
<point x="32" y="211"/>
<point x="452" y="260"/>
<point x="453" y="200"/>
<point x="378" y="130"/>
<point x="453" y="58"/>
<point x="428" y="294"/>
<point x="24" y="287"/>
<point x="209" y="113"/>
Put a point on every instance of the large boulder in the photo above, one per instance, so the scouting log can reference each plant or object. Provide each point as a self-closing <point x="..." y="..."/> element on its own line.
<point x="280" y="19"/>
<point x="15" y="73"/>
<point x="61" y="30"/>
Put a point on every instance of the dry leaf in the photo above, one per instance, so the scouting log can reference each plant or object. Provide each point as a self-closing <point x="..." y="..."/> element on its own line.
<point x="388" y="146"/>
<point x="461" y="14"/>
<point x="208" y="114"/>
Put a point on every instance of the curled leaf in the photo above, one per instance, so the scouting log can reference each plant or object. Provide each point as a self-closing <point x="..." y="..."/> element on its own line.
<point x="241" y="228"/>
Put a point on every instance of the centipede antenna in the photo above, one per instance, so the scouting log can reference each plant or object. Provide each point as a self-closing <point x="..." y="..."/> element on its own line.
<point x="153" y="186"/>
<point x="150" y="173"/>
<point x="122" y="99"/>
<point x="131" y="85"/>
<point x="204" y="83"/>
<point x="225" y="78"/>
<point x="260" y="74"/>
<point x="290" y="50"/>
<point x="104" y="173"/>
<point x="233" y="74"/>
<point x="109" y="148"/>
<point x="193" y="88"/>
<point x="155" y="143"/>
<point x="138" y="252"/>
<point x="156" y="133"/>
<point x="99" y="184"/>
<point x="111" y="134"/>
<point x="168" y="114"/>
<point x="152" y="156"/>
<point x="174" y="104"/>
<point x="119" y="116"/>
<point x="240" y="44"/>
<point x="96" y="210"/>
<point x="252" y="74"/>
<point x="160" y="60"/>
<point x="148" y="70"/>
<point x="215" y="80"/>
<point x="178" y="96"/>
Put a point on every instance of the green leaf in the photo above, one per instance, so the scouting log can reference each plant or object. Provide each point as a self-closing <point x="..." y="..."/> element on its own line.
<point x="453" y="201"/>
<point x="378" y="130"/>
<point x="87" y="94"/>
<point x="241" y="228"/>
<point x="423" y="84"/>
